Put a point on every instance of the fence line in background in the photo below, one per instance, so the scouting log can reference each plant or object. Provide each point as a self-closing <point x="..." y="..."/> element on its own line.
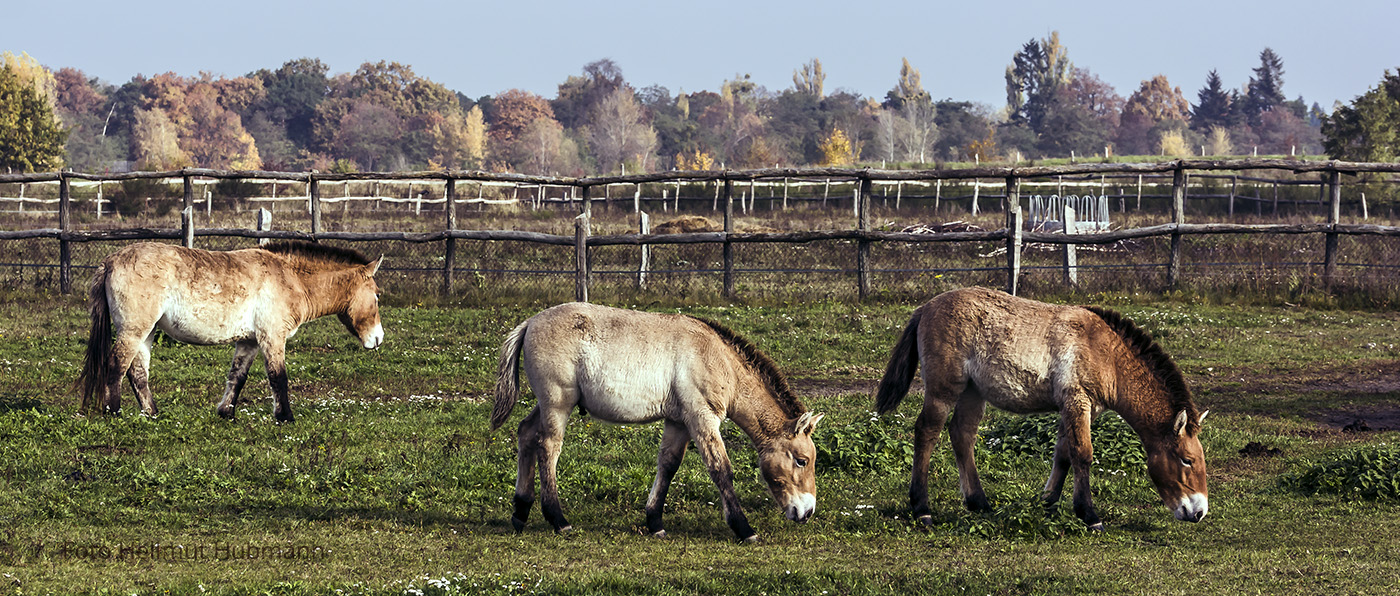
<point x="863" y="181"/>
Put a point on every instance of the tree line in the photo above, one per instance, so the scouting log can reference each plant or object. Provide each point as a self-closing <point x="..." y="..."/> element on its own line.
<point x="385" y="117"/>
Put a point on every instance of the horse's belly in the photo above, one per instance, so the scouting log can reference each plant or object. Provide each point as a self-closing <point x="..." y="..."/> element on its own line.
<point x="633" y="399"/>
<point x="190" y="324"/>
<point x="1014" y="389"/>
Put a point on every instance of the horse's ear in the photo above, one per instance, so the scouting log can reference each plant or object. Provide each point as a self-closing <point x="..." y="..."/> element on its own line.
<point x="807" y="423"/>
<point x="373" y="268"/>
<point x="1179" y="425"/>
<point x="1202" y="419"/>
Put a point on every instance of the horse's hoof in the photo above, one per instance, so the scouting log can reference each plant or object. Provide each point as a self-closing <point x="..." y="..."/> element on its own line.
<point x="752" y="539"/>
<point x="925" y="521"/>
<point x="518" y="524"/>
<point x="1098" y="527"/>
<point x="225" y="413"/>
<point x="288" y="419"/>
<point x="659" y="534"/>
<point x="564" y="531"/>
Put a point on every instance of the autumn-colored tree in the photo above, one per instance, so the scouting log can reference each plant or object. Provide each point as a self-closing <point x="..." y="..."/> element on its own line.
<point x="30" y="137"/>
<point x="474" y="138"/>
<point x="1218" y="141"/>
<point x="810" y="79"/>
<point x="1149" y="111"/>
<point x="579" y="96"/>
<point x="75" y="94"/>
<point x="696" y="161"/>
<point x="619" y="132"/>
<point x="33" y="74"/>
<point x="1083" y="119"/>
<point x="214" y="136"/>
<point x="155" y="142"/>
<point x="542" y="148"/>
<point x="369" y="134"/>
<point x="836" y="148"/>
<point x="513" y="111"/>
<point x="1173" y="143"/>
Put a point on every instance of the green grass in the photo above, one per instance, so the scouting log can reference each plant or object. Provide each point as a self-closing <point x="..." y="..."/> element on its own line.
<point x="389" y="480"/>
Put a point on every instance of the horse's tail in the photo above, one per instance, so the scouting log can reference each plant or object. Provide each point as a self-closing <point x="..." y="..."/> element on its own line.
<point x="97" y="365"/>
<point x="899" y="373"/>
<point x="508" y="375"/>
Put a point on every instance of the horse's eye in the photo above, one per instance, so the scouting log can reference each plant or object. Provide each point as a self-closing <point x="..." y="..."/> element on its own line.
<point x="801" y="461"/>
<point x="1186" y="461"/>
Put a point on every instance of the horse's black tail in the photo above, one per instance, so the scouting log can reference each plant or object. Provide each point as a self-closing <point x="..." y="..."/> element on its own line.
<point x="899" y="373"/>
<point x="508" y="375"/>
<point x="97" y="365"/>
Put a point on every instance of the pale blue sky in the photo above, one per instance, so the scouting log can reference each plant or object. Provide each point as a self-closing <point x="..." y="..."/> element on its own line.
<point x="1331" y="50"/>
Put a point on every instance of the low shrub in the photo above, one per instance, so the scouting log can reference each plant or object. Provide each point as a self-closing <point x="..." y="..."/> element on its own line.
<point x="1371" y="472"/>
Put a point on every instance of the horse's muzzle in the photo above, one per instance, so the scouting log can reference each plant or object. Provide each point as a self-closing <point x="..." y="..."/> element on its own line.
<point x="801" y="507"/>
<point x="375" y="337"/>
<point x="1192" y="508"/>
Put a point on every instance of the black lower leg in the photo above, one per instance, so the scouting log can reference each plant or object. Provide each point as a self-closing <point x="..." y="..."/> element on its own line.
<point x="282" y="408"/>
<point x="522" y="511"/>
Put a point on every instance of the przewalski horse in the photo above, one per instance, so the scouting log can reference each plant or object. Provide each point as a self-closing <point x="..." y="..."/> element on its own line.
<point x="254" y="298"/>
<point x="632" y="367"/>
<point x="981" y="346"/>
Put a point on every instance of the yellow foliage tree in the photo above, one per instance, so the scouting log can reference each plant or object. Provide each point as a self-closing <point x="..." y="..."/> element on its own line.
<point x="475" y="132"/>
<point x="835" y="148"/>
<point x="699" y="160"/>
<point x="1218" y="141"/>
<point x="31" y="73"/>
<point x="155" y="142"/>
<point x="1174" y="144"/>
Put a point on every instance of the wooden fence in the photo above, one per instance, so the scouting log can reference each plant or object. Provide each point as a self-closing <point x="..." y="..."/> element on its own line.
<point x="1013" y="235"/>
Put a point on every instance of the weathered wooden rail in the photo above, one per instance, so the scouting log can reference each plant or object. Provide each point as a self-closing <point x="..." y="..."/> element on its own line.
<point x="863" y="236"/>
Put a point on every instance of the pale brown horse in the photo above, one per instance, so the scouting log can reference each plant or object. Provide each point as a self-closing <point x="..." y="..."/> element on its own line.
<point x="254" y="298"/>
<point x="634" y="367"/>
<point x="979" y="346"/>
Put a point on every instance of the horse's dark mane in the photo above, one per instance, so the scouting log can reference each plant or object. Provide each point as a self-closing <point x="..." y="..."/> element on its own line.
<point x="1156" y="359"/>
<point x="317" y="252"/>
<point x="762" y="364"/>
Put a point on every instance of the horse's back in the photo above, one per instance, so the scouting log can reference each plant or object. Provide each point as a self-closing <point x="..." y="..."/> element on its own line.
<point x="624" y="366"/>
<point x="196" y="296"/>
<point x="1017" y="353"/>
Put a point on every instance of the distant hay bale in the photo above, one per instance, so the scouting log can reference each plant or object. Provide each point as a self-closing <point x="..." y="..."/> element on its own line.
<point x="687" y="224"/>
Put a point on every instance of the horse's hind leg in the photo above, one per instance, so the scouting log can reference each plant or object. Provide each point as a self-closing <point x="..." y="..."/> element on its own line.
<point x="1059" y="468"/>
<point x="926" y="430"/>
<point x="125" y="350"/>
<point x="551" y="439"/>
<point x="962" y="431"/>
<point x="673" y="441"/>
<point x="528" y="437"/>
<point x="243" y="353"/>
<point x="140" y="374"/>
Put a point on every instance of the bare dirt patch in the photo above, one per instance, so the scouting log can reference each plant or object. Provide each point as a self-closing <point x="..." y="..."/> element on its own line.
<point x="1358" y="396"/>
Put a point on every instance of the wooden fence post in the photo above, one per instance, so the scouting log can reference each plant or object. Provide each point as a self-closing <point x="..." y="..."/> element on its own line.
<point x="637" y="199"/>
<point x="581" y="255"/>
<point x="264" y="223"/>
<point x="1071" y="259"/>
<point x="728" y="246"/>
<point x="1234" y="180"/>
<point x="1013" y="248"/>
<point x="1178" y="218"/>
<point x="449" y="265"/>
<point x="187" y="213"/>
<point x="586" y="202"/>
<point x="644" y="227"/>
<point x="976" y="190"/>
<point x="65" y="225"/>
<point x="315" y="204"/>
<point x="863" y="245"/>
<point x="1334" y="216"/>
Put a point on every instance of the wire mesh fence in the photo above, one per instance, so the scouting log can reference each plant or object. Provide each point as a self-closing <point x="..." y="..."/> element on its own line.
<point x="908" y="223"/>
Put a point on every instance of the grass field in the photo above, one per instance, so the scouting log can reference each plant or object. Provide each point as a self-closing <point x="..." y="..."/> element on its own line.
<point x="390" y="483"/>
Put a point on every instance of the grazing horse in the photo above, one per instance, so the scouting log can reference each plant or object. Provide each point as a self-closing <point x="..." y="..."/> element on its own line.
<point x="254" y="298"/>
<point x="979" y="346"/>
<point x="632" y="367"/>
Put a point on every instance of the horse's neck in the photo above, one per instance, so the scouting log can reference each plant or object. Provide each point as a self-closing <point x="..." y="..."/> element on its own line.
<point x="325" y="292"/>
<point x="756" y="411"/>
<point x="1142" y="400"/>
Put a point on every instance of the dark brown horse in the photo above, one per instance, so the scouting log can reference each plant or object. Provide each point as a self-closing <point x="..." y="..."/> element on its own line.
<point x="633" y="367"/>
<point x="254" y="298"/>
<point x="979" y="346"/>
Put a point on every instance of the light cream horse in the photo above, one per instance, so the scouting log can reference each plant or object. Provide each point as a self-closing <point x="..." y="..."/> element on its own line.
<point x="254" y="298"/>
<point x="634" y="367"/>
<point x="979" y="346"/>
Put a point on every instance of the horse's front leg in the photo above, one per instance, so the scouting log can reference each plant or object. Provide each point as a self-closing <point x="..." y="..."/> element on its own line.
<point x="711" y="447"/>
<point x="673" y="441"/>
<point x="243" y="353"/>
<point x="1076" y="419"/>
<point x="275" y="359"/>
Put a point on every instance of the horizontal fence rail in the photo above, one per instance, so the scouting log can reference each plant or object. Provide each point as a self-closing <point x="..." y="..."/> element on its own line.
<point x="1018" y="185"/>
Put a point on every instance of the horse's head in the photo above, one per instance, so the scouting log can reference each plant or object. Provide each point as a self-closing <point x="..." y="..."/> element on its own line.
<point x="361" y="317"/>
<point x="788" y="464"/>
<point x="1177" y="465"/>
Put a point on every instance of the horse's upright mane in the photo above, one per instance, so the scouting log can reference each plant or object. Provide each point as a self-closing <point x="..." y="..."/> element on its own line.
<point x="317" y="252"/>
<point x="1157" y="361"/>
<point x="762" y="364"/>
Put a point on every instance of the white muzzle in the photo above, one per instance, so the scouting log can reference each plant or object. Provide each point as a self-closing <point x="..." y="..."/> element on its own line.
<point x="1192" y="508"/>
<point x="801" y="507"/>
<point x="375" y="337"/>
